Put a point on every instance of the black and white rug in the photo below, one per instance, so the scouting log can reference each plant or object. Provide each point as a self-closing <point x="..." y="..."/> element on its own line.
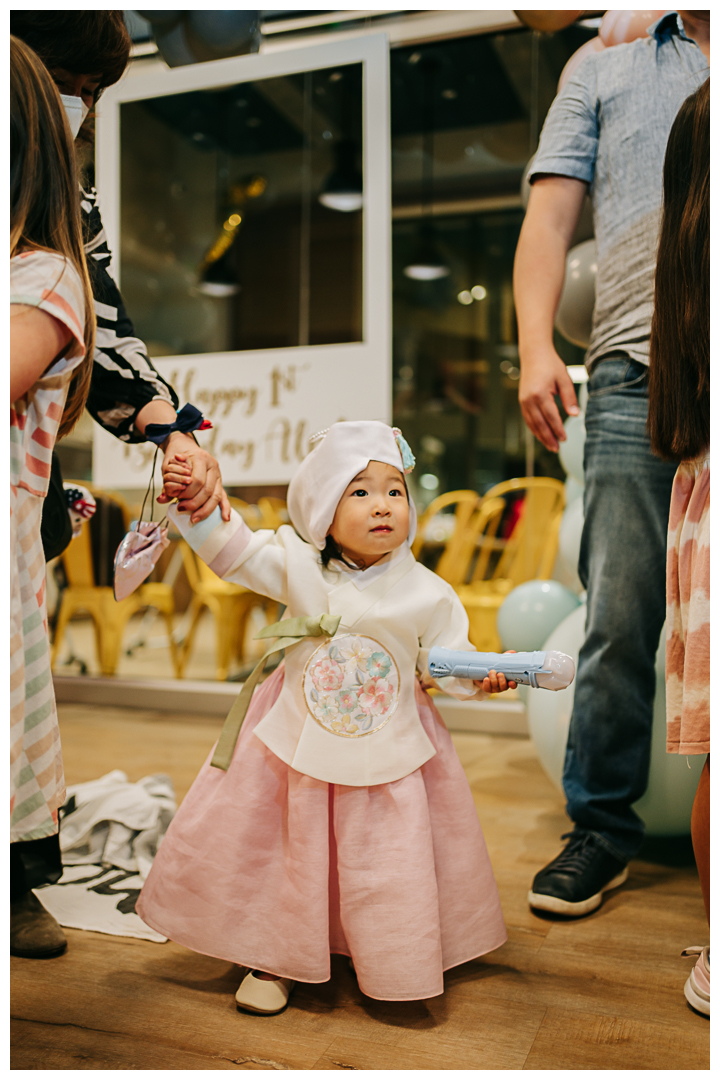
<point x="100" y="898"/>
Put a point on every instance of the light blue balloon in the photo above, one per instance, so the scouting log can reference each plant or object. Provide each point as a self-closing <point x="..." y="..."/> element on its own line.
<point x="532" y="611"/>
<point x="666" y="806"/>
<point x="572" y="451"/>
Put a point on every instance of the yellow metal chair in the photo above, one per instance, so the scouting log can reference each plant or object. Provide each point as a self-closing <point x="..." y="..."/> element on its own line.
<point x="528" y="553"/>
<point x="268" y="513"/>
<point x="230" y="606"/>
<point x="109" y="615"/>
<point x="456" y="549"/>
<point x="478" y="542"/>
<point x="249" y="513"/>
<point x="273" y="512"/>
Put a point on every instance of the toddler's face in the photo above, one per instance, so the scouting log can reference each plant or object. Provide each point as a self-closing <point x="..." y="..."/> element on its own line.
<point x="373" y="515"/>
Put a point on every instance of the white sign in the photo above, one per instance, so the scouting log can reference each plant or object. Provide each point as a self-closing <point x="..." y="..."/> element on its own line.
<point x="265" y="405"/>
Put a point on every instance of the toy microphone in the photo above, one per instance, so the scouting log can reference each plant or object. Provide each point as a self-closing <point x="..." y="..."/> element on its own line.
<point x="549" y="670"/>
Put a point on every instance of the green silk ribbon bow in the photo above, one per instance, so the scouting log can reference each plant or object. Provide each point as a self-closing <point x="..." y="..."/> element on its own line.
<point x="288" y="632"/>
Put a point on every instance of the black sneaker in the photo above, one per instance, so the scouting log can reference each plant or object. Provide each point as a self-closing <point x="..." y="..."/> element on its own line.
<point x="574" y="882"/>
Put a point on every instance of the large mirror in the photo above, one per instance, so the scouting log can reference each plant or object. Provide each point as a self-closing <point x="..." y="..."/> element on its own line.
<point x="248" y="203"/>
<point x="241" y="210"/>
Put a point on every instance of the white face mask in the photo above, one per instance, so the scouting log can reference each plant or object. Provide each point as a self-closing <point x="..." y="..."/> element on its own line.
<point x="76" y="110"/>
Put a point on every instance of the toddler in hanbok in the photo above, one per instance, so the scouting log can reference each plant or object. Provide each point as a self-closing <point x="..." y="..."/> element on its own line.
<point x="340" y="820"/>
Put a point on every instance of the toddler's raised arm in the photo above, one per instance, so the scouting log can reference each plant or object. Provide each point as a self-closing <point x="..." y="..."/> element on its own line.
<point x="256" y="560"/>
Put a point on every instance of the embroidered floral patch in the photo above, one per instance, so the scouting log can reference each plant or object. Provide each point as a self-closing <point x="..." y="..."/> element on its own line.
<point x="351" y="685"/>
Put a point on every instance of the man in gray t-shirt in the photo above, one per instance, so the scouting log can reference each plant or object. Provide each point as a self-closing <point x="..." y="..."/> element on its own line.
<point x="607" y="129"/>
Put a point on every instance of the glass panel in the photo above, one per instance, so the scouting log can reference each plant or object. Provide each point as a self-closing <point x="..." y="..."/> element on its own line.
<point x="241" y="211"/>
<point x="456" y="355"/>
<point x="485" y="99"/>
<point x="466" y="116"/>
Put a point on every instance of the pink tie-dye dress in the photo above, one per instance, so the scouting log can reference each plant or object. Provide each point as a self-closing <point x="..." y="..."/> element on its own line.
<point x="687" y="650"/>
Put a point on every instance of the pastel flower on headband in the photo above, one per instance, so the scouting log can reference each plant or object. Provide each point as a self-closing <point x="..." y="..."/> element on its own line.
<point x="408" y="458"/>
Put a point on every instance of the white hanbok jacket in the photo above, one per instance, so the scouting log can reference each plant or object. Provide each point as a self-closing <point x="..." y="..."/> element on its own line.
<point x="346" y="713"/>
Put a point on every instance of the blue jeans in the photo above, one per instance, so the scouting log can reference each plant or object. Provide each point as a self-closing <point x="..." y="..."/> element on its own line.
<point x="622" y="566"/>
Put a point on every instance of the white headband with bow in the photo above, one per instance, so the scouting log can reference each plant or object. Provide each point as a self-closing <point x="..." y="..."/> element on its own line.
<point x="345" y="450"/>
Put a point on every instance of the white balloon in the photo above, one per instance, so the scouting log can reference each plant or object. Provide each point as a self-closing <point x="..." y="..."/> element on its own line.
<point x="572" y="451"/>
<point x="568" y="551"/>
<point x="566" y="576"/>
<point x="622" y="25"/>
<point x="577" y="301"/>
<point x="549" y="721"/>
<point x="594" y="45"/>
<point x="571" y="528"/>
<point x="667" y="804"/>
<point x="573" y="490"/>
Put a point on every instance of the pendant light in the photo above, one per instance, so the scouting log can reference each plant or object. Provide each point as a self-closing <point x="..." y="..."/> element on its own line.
<point x="343" y="189"/>
<point x="217" y="275"/>
<point x="427" y="263"/>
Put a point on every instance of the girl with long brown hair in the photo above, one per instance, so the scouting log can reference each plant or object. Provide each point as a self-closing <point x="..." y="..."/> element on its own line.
<point x="86" y="51"/>
<point x="679" y="428"/>
<point x="45" y="194"/>
<point x="52" y="330"/>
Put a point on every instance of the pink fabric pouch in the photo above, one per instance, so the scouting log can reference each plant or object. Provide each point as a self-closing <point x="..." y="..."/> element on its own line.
<point x="141" y="547"/>
<point x="136" y="556"/>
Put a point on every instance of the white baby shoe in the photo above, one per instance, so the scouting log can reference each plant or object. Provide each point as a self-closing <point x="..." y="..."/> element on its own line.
<point x="697" y="986"/>
<point x="264" y="996"/>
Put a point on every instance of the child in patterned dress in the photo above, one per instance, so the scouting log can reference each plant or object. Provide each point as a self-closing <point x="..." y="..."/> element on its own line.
<point x="679" y="425"/>
<point x="51" y="337"/>
<point x="344" y="822"/>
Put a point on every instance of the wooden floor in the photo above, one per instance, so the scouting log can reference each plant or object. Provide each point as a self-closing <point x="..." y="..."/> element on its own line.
<point x="605" y="992"/>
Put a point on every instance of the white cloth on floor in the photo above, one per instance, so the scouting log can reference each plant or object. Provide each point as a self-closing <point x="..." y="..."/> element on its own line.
<point x="112" y="822"/>
<point x="99" y="898"/>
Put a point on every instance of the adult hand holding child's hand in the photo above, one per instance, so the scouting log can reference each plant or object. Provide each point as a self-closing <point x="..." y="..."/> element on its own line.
<point x="192" y="475"/>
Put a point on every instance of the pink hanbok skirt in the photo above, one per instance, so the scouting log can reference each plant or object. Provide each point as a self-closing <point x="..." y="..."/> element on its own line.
<point x="274" y="870"/>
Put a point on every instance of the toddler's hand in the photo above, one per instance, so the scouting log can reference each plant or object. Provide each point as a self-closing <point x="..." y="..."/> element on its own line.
<point x="170" y="492"/>
<point x="494" y="683"/>
<point x="176" y="474"/>
<point x="193" y="476"/>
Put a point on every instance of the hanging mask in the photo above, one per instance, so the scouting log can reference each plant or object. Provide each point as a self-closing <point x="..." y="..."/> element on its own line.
<point x="76" y="110"/>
